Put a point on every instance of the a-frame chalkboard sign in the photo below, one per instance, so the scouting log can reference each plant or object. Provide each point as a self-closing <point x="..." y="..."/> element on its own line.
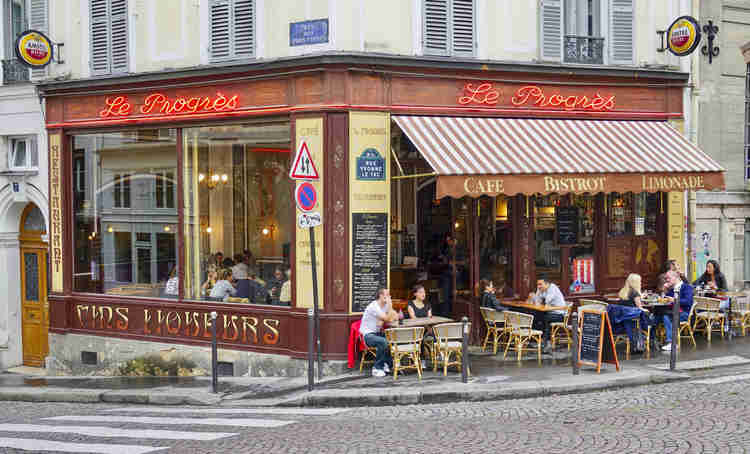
<point x="596" y="344"/>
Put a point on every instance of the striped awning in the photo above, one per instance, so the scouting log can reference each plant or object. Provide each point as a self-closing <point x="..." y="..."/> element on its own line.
<point x="490" y="156"/>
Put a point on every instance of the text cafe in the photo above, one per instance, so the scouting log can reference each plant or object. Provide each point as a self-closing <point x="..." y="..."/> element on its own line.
<point x="170" y="197"/>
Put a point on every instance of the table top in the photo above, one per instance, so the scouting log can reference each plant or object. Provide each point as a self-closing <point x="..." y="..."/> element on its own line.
<point x="532" y="306"/>
<point x="733" y="294"/>
<point x="422" y="321"/>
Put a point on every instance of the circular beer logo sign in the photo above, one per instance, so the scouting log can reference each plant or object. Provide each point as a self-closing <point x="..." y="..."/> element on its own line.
<point x="683" y="36"/>
<point x="34" y="49"/>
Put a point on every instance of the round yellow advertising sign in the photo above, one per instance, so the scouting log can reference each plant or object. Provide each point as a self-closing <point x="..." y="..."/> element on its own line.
<point x="34" y="49"/>
<point x="683" y="36"/>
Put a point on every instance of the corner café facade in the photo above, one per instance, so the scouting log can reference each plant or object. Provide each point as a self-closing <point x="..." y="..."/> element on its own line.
<point x="138" y="165"/>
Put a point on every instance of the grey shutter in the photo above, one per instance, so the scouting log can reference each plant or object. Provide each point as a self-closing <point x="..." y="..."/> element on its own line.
<point x="551" y="28"/>
<point x="119" y="35"/>
<point x="244" y="28"/>
<point x="220" y="38"/>
<point x="39" y="20"/>
<point x="99" y="22"/>
<point x="621" y="32"/>
<point x="463" y="27"/>
<point x="435" y="27"/>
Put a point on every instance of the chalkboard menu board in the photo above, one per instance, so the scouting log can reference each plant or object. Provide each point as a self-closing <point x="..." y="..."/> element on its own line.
<point x="566" y="222"/>
<point x="596" y="343"/>
<point x="369" y="257"/>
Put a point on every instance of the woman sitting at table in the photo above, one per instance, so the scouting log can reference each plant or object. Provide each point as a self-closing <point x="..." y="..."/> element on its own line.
<point x="417" y="307"/>
<point x="629" y="310"/>
<point x="630" y="293"/>
<point x="488" y="296"/>
<point x="712" y="279"/>
<point x="223" y="287"/>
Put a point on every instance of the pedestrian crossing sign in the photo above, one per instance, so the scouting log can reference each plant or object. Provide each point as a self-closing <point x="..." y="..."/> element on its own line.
<point x="304" y="167"/>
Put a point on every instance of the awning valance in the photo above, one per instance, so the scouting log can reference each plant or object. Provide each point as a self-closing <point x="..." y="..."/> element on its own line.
<point x="491" y="156"/>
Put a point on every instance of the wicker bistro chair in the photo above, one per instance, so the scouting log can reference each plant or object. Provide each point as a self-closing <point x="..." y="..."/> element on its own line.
<point x="369" y="351"/>
<point x="448" y="341"/>
<point x="405" y="343"/>
<point x="495" y="323"/>
<point x="521" y="333"/>
<point x="560" y="331"/>
<point x="741" y="313"/>
<point x="707" y="315"/>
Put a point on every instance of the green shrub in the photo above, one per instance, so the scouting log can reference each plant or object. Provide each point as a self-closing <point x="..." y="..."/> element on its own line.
<point x="156" y="366"/>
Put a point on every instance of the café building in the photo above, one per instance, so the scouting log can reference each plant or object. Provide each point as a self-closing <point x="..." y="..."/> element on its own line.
<point x="430" y="171"/>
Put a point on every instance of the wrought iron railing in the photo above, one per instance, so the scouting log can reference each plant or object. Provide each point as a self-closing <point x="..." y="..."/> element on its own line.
<point x="583" y="49"/>
<point x="14" y="72"/>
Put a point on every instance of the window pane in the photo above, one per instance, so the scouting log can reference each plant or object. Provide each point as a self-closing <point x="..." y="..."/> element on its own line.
<point x="620" y="211"/>
<point x="582" y="255"/>
<point x="124" y="243"/>
<point x="496" y="244"/>
<point x="19" y="153"/>
<point x="238" y="203"/>
<point x="547" y="257"/>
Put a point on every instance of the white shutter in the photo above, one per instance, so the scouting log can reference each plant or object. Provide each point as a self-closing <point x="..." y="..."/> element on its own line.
<point x="39" y="20"/>
<point x="463" y="27"/>
<point x="219" y="29"/>
<point x="435" y="27"/>
<point x="621" y="19"/>
<point x="99" y="23"/>
<point x="119" y="35"/>
<point x="551" y="28"/>
<point x="244" y="28"/>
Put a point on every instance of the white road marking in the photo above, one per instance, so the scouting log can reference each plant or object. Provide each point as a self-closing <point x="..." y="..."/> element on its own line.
<point x="717" y="380"/>
<point x="236" y="422"/>
<point x="27" y="444"/>
<point x="234" y="411"/>
<point x="100" y="431"/>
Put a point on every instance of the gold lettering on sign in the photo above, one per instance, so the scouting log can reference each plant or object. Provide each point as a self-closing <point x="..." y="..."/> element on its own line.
<point x="122" y="318"/>
<point x="484" y="186"/>
<point x="55" y="197"/>
<point x="171" y="317"/>
<point x="192" y="319"/>
<point x="230" y="321"/>
<point x="250" y="324"/>
<point x="272" y="337"/>
<point x="146" y="321"/>
<point x="569" y="184"/>
<point x="670" y="183"/>
<point x="207" y="325"/>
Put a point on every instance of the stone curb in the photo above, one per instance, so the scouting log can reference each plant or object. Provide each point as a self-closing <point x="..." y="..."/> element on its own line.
<point x="475" y="393"/>
<point x="146" y="397"/>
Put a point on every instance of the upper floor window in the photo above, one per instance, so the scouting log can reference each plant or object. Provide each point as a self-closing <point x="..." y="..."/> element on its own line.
<point x="588" y="31"/>
<point x="22" y="153"/>
<point x="109" y="36"/>
<point x="231" y="29"/>
<point x="448" y="27"/>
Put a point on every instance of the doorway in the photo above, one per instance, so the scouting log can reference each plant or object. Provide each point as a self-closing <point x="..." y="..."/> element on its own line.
<point x="34" y="305"/>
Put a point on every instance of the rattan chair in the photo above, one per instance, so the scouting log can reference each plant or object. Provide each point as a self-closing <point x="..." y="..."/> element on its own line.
<point x="369" y="351"/>
<point x="521" y="333"/>
<point x="708" y="314"/>
<point x="448" y="341"/>
<point x="688" y="325"/>
<point x="560" y="330"/>
<point x="405" y="343"/>
<point x="741" y="313"/>
<point x="494" y="321"/>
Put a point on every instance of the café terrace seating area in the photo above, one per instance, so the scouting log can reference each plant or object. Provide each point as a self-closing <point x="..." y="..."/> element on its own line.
<point x="509" y="337"/>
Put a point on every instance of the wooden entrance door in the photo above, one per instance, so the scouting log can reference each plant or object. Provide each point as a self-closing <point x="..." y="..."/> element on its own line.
<point x="34" y="305"/>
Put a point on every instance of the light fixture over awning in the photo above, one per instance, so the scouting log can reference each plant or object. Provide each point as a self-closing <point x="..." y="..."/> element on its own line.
<point x="491" y="156"/>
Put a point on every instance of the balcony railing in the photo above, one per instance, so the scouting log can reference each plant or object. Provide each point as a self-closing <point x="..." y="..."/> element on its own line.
<point x="14" y="72"/>
<point x="583" y="49"/>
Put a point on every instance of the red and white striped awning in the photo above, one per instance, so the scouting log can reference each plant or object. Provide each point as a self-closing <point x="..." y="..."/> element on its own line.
<point x="489" y="156"/>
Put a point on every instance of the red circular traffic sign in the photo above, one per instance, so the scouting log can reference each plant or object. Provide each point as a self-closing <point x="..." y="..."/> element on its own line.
<point x="306" y="196"/>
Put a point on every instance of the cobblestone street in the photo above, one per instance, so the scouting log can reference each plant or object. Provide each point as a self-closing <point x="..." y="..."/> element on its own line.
<point x="709" y="413"/>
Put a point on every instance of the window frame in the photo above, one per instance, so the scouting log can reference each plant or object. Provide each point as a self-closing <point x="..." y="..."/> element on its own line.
<point x="232" y="51"/>
<point x="111" y="68"/>
<point x="31" y="151"/>
<point x="450" y="41"/>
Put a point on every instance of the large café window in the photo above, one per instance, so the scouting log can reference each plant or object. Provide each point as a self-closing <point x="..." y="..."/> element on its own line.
<point x="238" y="202"/>
<point x="125" y="212"/>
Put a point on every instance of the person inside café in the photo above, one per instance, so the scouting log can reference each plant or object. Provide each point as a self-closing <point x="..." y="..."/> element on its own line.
<point x="488" y="296"/>
<point x="241" y="267"/>
<point x="712" y="279"/>
<point x="681" y="293"/>
<point x="172" y="287"/>
<point x="273" y="286"/>
<point x="210" y="281"/>
<point x="504" y="289"/>
<point x="378" y="313"/>
<point x="548" y="293"/>
<point x="223" y="287"/>
<point x="285" y="294"/>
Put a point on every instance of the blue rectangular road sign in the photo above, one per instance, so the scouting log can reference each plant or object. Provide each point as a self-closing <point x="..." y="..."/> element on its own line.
<point x="308" y="32"/>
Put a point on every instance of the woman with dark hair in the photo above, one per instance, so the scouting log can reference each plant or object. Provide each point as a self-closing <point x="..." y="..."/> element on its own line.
<point x="417" y="307"/>
<point x="712" y="278"/>
<point x="488" y="295"/>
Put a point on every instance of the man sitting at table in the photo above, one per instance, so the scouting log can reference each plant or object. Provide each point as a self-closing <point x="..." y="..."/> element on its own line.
<point x="548" y="294"/>
<point x="682" y="293"/>
<point x="378" y="313"/>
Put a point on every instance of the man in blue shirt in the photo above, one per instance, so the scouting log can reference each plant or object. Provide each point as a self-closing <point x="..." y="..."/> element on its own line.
<point x="682" y="293"/>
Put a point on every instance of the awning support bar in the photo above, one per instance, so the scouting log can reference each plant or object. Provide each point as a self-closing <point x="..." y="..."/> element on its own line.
<point x="398" y="163"/>
<point x="416" y="175"/>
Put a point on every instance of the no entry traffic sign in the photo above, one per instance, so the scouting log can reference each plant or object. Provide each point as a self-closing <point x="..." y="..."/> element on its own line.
<point x="306" y="196"/>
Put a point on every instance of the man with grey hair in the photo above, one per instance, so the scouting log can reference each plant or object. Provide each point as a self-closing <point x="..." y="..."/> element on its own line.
<point x="681" y="293"/>
<point x="548" y="294"/>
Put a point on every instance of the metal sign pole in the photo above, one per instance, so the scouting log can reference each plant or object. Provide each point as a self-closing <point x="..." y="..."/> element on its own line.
<point x="310" y="344"/>
<point x="315" y="300"/>
<point x="214" y="356"/>
<point x="675" y="331"/>
<point x="575" y="341"/>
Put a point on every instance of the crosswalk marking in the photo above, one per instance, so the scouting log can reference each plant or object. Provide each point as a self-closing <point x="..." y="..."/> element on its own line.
<point x="235" y="422"/>
<point x="234" y="411"/>
<point x="112" y="432"/>
<point x="29" y="444"/>
<point x="718" y="380"/>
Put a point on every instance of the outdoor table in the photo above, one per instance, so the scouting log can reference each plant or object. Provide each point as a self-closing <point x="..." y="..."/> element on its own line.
<point x="422" y="321"/>
<point x="537" y="309"/>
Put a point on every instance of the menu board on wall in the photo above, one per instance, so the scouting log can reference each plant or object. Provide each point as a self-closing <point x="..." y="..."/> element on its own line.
<point x="566" y="221"/>
<point x="369" y="257"/>
<point x="618" y="258"/>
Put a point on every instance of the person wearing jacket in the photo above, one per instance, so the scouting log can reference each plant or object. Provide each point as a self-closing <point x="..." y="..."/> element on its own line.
<point x="712" y="278"/>
<point x="682" y="294"/>
<point x="488" y="296"/>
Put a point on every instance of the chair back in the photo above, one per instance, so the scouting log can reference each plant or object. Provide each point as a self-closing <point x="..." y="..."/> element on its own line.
<point x="518" y="320"/>
<point x="446" y="332"/>
<point x="704" y="303"/>
<point x="741" y="304"/>
<point x="593" y="302"/>
<point x="404" y="336"/>
<point x="491" y="316"/>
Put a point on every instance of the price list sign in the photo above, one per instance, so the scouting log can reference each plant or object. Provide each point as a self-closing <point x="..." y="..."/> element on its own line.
<point x="370" y="257"/>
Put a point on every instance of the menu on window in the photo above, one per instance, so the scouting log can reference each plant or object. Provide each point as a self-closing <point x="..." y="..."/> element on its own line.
<point x="566" y="219"/>
<point x="369" y="257"/>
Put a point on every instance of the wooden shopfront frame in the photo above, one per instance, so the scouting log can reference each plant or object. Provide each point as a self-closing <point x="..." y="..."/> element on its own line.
<point x="328" y="88"/>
